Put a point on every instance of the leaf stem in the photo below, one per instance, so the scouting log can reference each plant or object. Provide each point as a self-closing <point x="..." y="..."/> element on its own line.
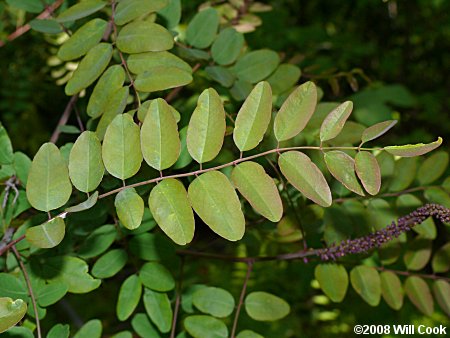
<point x="10" y="244"/>
<point x="241" y="298"/>
<point x="64" y="118"/>
<point x="178" y="299"/>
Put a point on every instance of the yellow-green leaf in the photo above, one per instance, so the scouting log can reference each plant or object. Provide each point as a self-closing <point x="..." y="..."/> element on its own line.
<point x="296" y="111"/>
<point x="441" y="290"/>
<point x="116" y="104"/>
<point x="214" y="199"/>
<point x="139" y="63"/>
<point x="206" y="128"/>
<point x="172" y="210"/>
<point x="256" y="65"/>
<point x="259" y="190"/>
<point x="11" y="312"/>
<point x="160" y="142"/>
<point x="130" y="208"/>
<point x="87" y="204"/>
<point x="85" y="162"/>
<point x="202" y="29"/>
<point x="418" y="254"/>
<point x="342" y="167"/>
<point x="306" y="177"/>
<point x="81" y="10"/>
<point x="121" y="149"/>
<point x="263" y="306"/>
<point x="86" y="37"/>
<point x="368" y="171"/>
<point x="333" y="280"/>
<point x="144" y="36"/>
<point x="48" y="184"/>
<point x="391" y="289"/>
<point x="128" y="10"/>
<point x="419" y="294"/>
<point x="334" y="122"/>
<point x="214" y="301"/>
<point x="377" y="130"/>
<point x="90" y="68"/>
<point x="366" y="282"/>
<point x="162" y="78"/>
<point x="410" y="150"/>
<point x="253" y="118"/>
<point x="47" y="235"/>
<point x="227" y="47"/>
<point x="109" y="83"/>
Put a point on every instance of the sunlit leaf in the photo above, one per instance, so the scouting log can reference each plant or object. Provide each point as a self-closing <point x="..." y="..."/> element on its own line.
<point x="121" y="149"/>
<point x="202" y="29"/>
<point x="256" y="65"/>
<point x="342" y="167"/>
<point x="128" y="10"/>
<point x="259" y="189"/>
<point x="366" y="282"/>
<point x="157" y="305"/>
<point x="419" y="294"/>
<point x="172" y="211"/>
<point x="139" y="63"/>
<point x="200" y="326"/>
<point x="368" y="171"/>
<point x="206" y="128"/>
<point x="306" y="177"/>
<point x="441" y="290"/>
<point x="377" y="130"/>
<point x="129" y="296"/>
<point x="391" y="289"/>
<point x="91" y="329"/>
<point x="144" y="36"/>
<point x="214" y="301"/>
<point x="333" y="280"/>
<point x="48" y="185"/>
<point x="253" y="118"/>
<point x="263" y="306"/>
<point x="81" y="10"/>
<point x="90" y="68"/>
<point x="47" y="235"/>
<point x="11" y="312"/>
<point x="110" y="263"/>
<point x="130" y="208"/>
<point x="155" y="276"/>
<point x="87" y="204"/>
<point x="215" y="201"/>
<point x="296" y="111"/>
<point x="410" y="150"/>
<point x="162" y="78"/>
<point x="334" y="122"/>
<point x="227" y="46"/>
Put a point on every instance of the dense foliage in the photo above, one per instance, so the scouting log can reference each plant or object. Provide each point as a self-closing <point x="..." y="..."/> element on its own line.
<point x="203" y="180"/>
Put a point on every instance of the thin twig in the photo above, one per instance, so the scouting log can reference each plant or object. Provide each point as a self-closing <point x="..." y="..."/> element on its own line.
<point x="390" y="194"/>
<point x="30" y="289"/>
<point x="174" y="92"/>
<point x="10" y="244"/>
<point x="177" y="300"/>
<point x="64" y="118"/>
<point x="408" y="273"/>
<point x="241" y="298"/>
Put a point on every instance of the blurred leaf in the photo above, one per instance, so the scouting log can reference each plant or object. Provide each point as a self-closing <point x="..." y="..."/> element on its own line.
<point x="391" y="289"/>
<point x="441" y="290"/>
<point x="142" y="326"/>
<point x="334" y="122"/>
<point x="59" y="331"/>
<point x="98" y="241"/>
<point x="144" y="36"/>
<point x="156" y="277"/>
<point x="368" y="171"/>
<point x="31" y="6"/>
<point x="221" y="75"/>
<point x="333" y="280"/>
<point x="433" y="168"/>
<point x="51" y="293"/>
<point x="128" y="10"/>
<point x="90" y="68"/>
<point x="206" y="128"/>
<point x="256" y="65"/>
<point x="305" y="176"/>
<point x="263" y="306"/>
<point x="215" y="201"/>
<point x="410" y="150"/>
<point x="419" y="294"/>
<point x="157" y="305"/>
<point x="139" y="63"/>
<point x="202" y="29"/>
<point x="248" y="334"/>
<point x="11" y="312"/>
<point x="47" y="235"/>
<point x="6" y="149"/>
<point x="129" y="296"/>
<point x="418" y="254"/>
<point x="172" y="211"/>
<point x="91" y="329"/>
<point x="404" y="173"/>
<point x="284" y="78"/>
<point x="227" y="47"/>
<point x="200" y="326"/>
<point x="49" y="26"/>
<point x="441" y="259"/>
<point x="342" y="167"/>
<point x="110" y="264"/>
<point x="214" y="301"/>
<point x="241" y="89"/>
<point x="366" y="282"/>
<point x="377" y="130"/>
<point x="130" y="208"/>
<point x="171" y="13"/>
<point x="48" y="185"/>
<point x="253" y="118"/>
<point x="80" y="10"/>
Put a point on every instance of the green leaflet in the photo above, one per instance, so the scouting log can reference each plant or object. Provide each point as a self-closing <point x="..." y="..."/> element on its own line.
<point x="200" y="326"/>
<point x="155" y="276"/>
<point x="121" y="149"/>
<point x="26" y="5"/>
<point x="221" y="75"/>
<point x="129" y="296"/>
<point x="11" y="312"/>
<point x="418" y="254"/>
<point x="366" y="282"/>
<point x="391" y="289"/>
<point x="172" y="211"/>
<point x="215" y="201"/>
<point x="98" y="241"/>
<point x="144" y="36"/>
<point x="334" y="122"/>
<point x="85" y="162"/>
<point x="259" y="189"/>
<point x="410" y="150"/>
<point x="227" y="47"/>
<point x="86" y="37"/>
<point x="342" y="167"/>
<point x="419" y="294"/>
<point x="248" y="334"/>
<point x="128" y="10"/>
<point x="90" y="68"/>
<point x="263" y="306"/>
<point x="214" y="301"/>
<point x="144" y="108"/>
<point x="253" y="118"/>
<point x="142" y="326"/>
<point x="441" y="259"/>
<point x="48" y="185"/>
<point x="157" y="305"/>
<point x="59" y="331"/>
<point x="115" y="106"/>
<point x="139" y="63"/>
<point x="333" y="280"/>
<point x="284" y="78"/>
<point x="91" y="329"/>
<point x="51" y="293"/>
<point x="87" y="204"/>
<point x="160" y="142"/>
<point x="48" y="26"/>
<point x="256" y="65"/>
<point x="433" y="167"/>
<point x="81" y="10"/>
<point x="110" y="264"/>
<point x="377" y="130"/>
<point x="404" y="174"/>
<point x="441" y="290"/>
<point x="162" y="78"/>
<point x="47" y="235"/>
<point x="368" y="171"/>
<point x="123" y="334"/>
<point x="305" y="176"/>
<point x="109" y="83"/>
<point x="130" y="208"/>
<point x="206" y="128"/>
<point x="202" y="29"/>
<point x="6" y="149"/>
<point x="171" y="13"/>
<point x="296" y="111"/>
